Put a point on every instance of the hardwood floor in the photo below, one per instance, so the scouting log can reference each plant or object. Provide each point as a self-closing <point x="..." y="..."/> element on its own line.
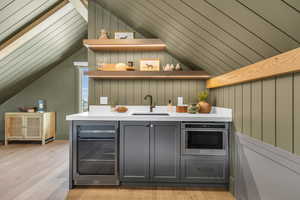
<point x="35" y="172"/>
<point x="149" y="194"/>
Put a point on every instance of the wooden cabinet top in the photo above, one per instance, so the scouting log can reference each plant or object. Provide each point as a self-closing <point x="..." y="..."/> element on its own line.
<point x="27" y="113"/>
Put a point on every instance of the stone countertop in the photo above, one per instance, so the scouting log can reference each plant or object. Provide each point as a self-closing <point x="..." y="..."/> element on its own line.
<point x="103" y="113"/>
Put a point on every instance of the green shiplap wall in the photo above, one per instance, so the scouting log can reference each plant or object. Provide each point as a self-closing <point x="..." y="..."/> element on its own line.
<point x="59" y="87"/>
<point x="268" y="110"/>
<point x="132" y="92"/>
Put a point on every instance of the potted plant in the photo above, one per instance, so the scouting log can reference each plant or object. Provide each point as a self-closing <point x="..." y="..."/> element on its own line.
<point x="203" y="105"/>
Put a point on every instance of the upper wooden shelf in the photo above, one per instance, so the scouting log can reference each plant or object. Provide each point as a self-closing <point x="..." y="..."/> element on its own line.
<point x="192" y="75"/>
<point x="125" y="45"/>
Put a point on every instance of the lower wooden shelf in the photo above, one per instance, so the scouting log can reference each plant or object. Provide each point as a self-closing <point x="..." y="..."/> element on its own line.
<point x="192" y="75"/>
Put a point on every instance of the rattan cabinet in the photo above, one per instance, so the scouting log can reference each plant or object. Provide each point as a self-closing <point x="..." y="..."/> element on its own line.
<point x="29" y="127"/>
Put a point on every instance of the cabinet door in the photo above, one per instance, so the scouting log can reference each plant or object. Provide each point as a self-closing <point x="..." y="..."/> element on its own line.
<point x="201" y="169"/>
<point x="33" y="126"/>
<point x="134" y="151"/>
<point x="165" y="151"/>
<point x="15" y="127"/>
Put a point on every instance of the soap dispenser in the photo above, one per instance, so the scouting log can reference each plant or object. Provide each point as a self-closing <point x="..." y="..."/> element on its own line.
<point x="170" y="106"/>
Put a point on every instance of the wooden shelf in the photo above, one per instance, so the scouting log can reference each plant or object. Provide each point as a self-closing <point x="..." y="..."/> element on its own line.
<point x="125" y="45"/>
<point x="192" y="75"/>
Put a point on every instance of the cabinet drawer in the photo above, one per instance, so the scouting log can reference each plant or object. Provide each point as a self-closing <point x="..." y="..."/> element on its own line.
<point x="96" y="167"/>
<point x="204" y="169"/>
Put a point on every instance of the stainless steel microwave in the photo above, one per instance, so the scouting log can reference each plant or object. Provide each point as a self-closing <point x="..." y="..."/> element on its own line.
<point x="204" y="138"/>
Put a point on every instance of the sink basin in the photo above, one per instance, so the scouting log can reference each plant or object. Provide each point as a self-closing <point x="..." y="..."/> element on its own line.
<point x="150" y="113"/>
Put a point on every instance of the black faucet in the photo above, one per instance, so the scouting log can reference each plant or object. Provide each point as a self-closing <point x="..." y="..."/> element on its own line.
<point x="151" y="103"/>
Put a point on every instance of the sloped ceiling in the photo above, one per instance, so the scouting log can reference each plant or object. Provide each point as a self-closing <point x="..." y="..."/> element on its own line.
<point x="14" y="14"/>
<point x="217" y="35"/>
<point x="37" y="55"/>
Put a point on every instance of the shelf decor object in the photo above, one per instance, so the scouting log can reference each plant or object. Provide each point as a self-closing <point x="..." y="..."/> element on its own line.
<point x="103" y="35"/>
<point x="125" y="44"/>
<point x="187" y="75"/>
<point x="149" y="65"/>
<point x="124" y="35"/>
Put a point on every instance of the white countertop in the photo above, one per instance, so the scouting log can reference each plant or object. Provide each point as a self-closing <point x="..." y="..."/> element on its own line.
<point x="103" y="113"/>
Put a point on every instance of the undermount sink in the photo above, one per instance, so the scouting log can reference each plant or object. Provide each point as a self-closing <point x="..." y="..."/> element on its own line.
<point x="150" y="113"/>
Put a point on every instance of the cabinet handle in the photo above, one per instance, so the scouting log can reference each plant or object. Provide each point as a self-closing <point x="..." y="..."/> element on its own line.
<point x="149" y="125"/>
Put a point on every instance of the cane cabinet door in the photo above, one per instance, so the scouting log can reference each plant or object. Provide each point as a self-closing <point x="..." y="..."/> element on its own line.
<point x="33" y="126"/>
<point x="15" y="127"/>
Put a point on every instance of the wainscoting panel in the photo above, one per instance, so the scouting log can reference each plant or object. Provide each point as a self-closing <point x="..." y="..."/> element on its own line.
<point x="267" y="110"/>
<point x="297" y="113"/>
<point x="284" y="112"/>
<point x="265" y="172"/>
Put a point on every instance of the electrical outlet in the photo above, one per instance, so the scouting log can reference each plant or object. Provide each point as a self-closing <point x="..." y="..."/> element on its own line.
<point x="179" y="101"/>
<point x="103" y="100"/>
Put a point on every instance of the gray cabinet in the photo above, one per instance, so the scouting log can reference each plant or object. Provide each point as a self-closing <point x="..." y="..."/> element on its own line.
<point x="149" y="151"/>
<point x="204" y="169"/>
<point x="165" y="151"/>
<point x="134" y="151"/>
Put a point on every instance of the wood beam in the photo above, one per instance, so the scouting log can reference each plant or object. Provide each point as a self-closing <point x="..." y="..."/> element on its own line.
<point x="35" y="28"/>
<point x="284" y="63"/>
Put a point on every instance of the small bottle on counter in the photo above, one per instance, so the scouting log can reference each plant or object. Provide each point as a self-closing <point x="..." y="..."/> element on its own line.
<point x="170" y="106"/>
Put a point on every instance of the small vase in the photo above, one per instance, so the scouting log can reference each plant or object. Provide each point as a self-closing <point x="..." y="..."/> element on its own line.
<point x="204" y="107"/>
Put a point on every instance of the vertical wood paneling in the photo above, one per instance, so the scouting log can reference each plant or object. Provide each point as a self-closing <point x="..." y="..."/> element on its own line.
<point x="231" y="97"/>
<point x="193" y="89"/>
<point x="256" y="116"/>
<point x="284" y="112"/>
<point x="212" y="97"/>
<point x="226" y="97"/>
<point x="169" y="91"/>
<point x="297" y="113"/>
<point x="238" y="112"/>
<point x="132" y="92"/>
<point x="122" y="92"/>
<point x="247" y="108"/>
<point x="231" y="104"/>
<point x="269" y="111"/>
<point x="220" y="100"/>
<point x="129" y="87"/>
<point x="138" y="92"/>
<point x="185" y="91"/>
<point x="177" y="91"/>
<point x="114" y="92"/>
